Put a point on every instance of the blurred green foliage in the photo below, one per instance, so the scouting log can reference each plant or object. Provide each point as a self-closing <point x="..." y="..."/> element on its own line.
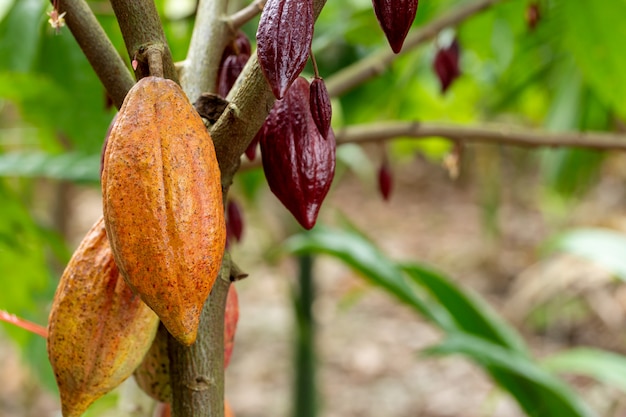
<point x="566" y="74"/>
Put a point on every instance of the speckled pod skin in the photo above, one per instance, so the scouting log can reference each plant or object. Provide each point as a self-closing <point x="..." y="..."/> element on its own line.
<point x="99" y="330"/>
<point x="162" y="203"/>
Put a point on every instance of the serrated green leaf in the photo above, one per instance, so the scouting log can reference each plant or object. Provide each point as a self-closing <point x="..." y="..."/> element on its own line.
<point x="601" y="365"/>
<point x="471" y="313"/>
<point x="538" y="392"/>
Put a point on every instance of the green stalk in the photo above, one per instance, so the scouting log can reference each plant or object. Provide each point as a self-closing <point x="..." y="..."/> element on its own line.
<point x="305" y="388"/>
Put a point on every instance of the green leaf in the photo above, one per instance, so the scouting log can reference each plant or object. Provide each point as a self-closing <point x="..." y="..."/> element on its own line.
<point x="20" y="35"/>
<point x="69" y="166"/>
<point x="471" y="313"/>
<point x="538" y="392"/>
<point x="602" y="246"/>
<point x="603" y="366"/>
<point x="595" y="36"/>
<point x="358" y="253"/>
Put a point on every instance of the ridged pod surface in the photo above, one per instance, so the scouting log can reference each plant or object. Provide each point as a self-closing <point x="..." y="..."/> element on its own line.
<point x="162" y="203"/>
<point x="395" y="18"/>
<point x="99" y="330"/>
<point x="299" y="164"/>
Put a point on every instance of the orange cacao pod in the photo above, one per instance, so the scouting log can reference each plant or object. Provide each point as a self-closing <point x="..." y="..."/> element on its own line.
<point x="153" y="374"/>
<point x="98" y="330"/>
<point x="162" y="202"/>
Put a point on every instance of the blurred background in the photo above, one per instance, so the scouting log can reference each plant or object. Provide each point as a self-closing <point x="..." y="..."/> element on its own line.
<point x="538" y="236"/>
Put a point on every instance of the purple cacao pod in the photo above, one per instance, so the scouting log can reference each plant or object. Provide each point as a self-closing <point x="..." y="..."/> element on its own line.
<point x="284" y="41"/>
<point x="395" y="18"/>
<point x="321" y="108"/>
<point x="299" y="164"/>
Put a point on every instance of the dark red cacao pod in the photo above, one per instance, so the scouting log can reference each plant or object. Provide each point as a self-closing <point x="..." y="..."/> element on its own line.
<point x="395" y="18"/>
<point x="239" y="45"/>
<point x="234" y="58"/>
<point x="284" y="41"/>
<point x="229" y="71"/>
<point x="385" y="179"/>
<point x="321" y="108"/>
<point x="446" y="65"/>
<point x="251" y="149"/>
<point x="299" y="164"/>
<point x="533" y="15"/>
<point x="234" y="221"/>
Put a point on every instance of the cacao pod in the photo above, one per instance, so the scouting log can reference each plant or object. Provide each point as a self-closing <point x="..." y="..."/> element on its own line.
<point x="153" y="374"/>
<point x="385" y="179"/>
<point x="234" y="221"/>
<point x="234" y="58"/>
<point x="284" y="39"/>
<point x="299" y="164"/>
<point x="447" y="65"/>
<point x="321" y="108"/>
<point x="162" y="203"/>
<point x="533" y="15"/>
<point x="395" y="18"/>
<point x="98" y="330"/>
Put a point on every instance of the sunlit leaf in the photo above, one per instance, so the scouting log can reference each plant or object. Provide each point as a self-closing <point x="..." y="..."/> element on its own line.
<point x="602" y="246"/>
<point x="601" y="365"/>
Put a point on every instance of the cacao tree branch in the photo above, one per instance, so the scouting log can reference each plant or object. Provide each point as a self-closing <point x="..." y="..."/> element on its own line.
<point x="502" y="135"/>
<point x="243" y="16"/>
<point x="100" y="52"/>
<point x="375" y="64"/>
<point x="142" y="30"/>
<point x="250" y="102"/>
<point x="498" y="135"/>
<point x="197" y="371"/>
<point x="208" y="40"/>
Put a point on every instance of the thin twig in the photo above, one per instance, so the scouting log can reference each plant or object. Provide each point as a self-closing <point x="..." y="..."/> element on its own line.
<point x="375" y="64"/>
<point x="460" y="135"/>
<point x="141" y="28"/>
<point x="243" y="16"/>
<point x="24" y="324"/>
<point x="208" y="40"/>
<point x="104" y="59"/>
<point x="503" y="135"/>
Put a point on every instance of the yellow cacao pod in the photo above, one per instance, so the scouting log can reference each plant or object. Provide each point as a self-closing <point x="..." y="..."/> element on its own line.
<point x="99" y="330"/>
<point x="162" y="202"/>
